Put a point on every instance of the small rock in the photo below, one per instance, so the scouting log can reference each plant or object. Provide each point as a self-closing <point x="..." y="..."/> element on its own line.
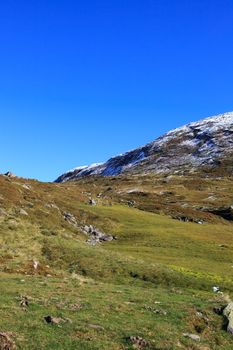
<point x="92" y="201"/>
<point x="194" y="337"/>
<point x="35" y="264"/>
<point x="52" y="206"/>
<point x="131" y="204"/>
<point x="26" y="186"/>
<point x="96" y="327"/>
<point x="56" y="320"/>
<point x="23" y="212"/>
<point x="24" y="302"/>
<point x="138" y="342"/>
<point x="75" y="307"/>
<point x="70" y="218"/>
<point x="156" y="311"/>
<point x="216" y="289"/>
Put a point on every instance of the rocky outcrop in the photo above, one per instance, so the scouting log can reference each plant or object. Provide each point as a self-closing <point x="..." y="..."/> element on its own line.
<point x="96" y="236"/>
<point x="224" y="212"/>
<point x="71" y="219"/>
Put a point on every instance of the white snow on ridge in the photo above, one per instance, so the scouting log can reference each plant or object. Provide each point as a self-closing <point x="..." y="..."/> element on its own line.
<point x="77" y="168"/>
<point x="207" y="139"/>
<point x="84" y="167"/>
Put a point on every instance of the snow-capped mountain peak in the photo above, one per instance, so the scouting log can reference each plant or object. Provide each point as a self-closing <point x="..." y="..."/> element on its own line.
<point x="205" y="143"/>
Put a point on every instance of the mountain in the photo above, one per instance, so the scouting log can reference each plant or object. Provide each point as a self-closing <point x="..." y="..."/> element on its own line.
<point x="123" y="262"/>
<point x="203" y="145"/>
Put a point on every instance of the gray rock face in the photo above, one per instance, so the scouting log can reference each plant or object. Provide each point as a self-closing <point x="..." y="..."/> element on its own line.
<point x="228" y="313"/>
<point x="204" y="144"/>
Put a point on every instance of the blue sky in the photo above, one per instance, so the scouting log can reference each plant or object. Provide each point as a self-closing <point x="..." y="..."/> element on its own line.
<point x="81" y="81"/>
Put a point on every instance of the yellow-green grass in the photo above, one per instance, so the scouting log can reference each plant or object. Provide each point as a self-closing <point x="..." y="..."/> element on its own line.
<point x="103" y="316"/>
<point x="118" y="283"/>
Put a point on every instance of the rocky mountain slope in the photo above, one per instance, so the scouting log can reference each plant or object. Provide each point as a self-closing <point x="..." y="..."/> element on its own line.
<point x="203" y="145"/>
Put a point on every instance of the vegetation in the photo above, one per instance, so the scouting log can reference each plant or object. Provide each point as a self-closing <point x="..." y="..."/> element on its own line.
<point x="154" y="281"/>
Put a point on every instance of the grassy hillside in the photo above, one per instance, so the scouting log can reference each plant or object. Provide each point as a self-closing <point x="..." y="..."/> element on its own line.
<point x="155" y="281"/>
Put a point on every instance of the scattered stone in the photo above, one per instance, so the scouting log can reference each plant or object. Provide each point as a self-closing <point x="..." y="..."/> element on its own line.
<point x="96" y="327"/>
<point x="131" y="204"/>
<point x="203" y="316"/>
<point x="184" y="218"/>
<point x="216" y="289"/>
<point x="75" y="307"/>
<point x="35" y="264"/>
<point x="23" y="212"/>
<point x="194" y="337"/>
<point x="96" y="236"/>
<point x="52" y="206"/>
<point x="156" y="311"/>
<point x="6" y="343"/>
<point x="223" y="246"/>
<point x="24" y="302"/>
<point x="138" y="342"/>
<point x="56" y="320"/>
<point x="27" y="187"/>
<point x="92" y="201"/>
<point x="70" y="218"/>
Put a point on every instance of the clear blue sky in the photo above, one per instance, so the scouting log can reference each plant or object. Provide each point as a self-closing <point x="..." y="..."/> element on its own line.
<point x="81" y="81"/>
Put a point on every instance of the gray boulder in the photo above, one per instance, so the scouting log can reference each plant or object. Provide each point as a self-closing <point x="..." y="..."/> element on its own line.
<point x="228" y="313"/>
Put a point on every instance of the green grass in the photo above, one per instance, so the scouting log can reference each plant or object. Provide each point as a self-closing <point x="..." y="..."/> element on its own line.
<point x="121" y="311"/>
<point x="118" y="283"/>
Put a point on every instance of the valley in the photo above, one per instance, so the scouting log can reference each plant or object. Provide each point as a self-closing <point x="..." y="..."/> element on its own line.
<point x="154" y="281"/>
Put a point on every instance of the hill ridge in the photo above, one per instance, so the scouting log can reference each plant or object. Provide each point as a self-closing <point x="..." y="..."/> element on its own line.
<point x="204" y="143"/>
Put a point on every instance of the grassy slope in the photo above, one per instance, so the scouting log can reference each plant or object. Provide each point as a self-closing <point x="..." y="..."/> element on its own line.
<point x="117" y="284"/>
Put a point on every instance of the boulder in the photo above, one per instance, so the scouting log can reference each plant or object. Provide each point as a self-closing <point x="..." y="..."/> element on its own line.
<point x="194" y="337"/>
<point x="228" y="313"/>
<point x="96" y="236"/>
